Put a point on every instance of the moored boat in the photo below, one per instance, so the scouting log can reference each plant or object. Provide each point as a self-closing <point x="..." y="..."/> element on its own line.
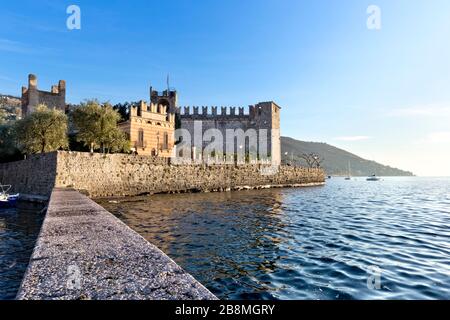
<point x="373" y="178"/>
<point x="7" y="200"/>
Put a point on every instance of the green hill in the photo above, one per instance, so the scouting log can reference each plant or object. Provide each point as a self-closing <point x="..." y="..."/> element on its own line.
<point x="336" y="160"/>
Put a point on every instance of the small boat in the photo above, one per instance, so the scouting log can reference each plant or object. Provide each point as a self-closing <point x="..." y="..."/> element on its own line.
<point x="373" y="178"/>
<point x="7" y="200"/>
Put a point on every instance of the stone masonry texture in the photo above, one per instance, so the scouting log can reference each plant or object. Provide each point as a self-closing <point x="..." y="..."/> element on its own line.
<point x="99" y="175"/>
<point x="36" y="175"/>
<point x="85" y="253"/>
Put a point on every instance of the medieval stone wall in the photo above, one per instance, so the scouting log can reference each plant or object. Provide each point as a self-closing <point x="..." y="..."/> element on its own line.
<point x="126" y="175"/>
<point x="36" y="175"/>
<point x="263" y="119"/>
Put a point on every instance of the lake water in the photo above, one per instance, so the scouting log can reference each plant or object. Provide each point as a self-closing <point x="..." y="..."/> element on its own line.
<point x="18" y="233"/>
<point x="347" y="240"/>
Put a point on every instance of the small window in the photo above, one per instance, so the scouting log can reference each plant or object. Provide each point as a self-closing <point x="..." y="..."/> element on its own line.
<point x="141" y="138"/>
<point x="166" y="141"/>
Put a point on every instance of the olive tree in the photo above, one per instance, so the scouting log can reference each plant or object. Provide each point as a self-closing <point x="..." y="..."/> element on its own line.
<point x="44" y="130"/>
<point x="8" y="147"/>
<point x="96" y="126"/>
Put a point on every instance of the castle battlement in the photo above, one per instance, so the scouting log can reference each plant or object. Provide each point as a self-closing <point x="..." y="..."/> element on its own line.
<point x="31" y="96"/>
<point x="212" y="111"/>
<point x="263" y="117"/>
<point x="152" y="111"/>
<point x="167" y="98"/>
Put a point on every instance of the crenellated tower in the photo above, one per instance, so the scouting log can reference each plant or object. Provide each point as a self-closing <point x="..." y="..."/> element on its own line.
<point x="266" y="115"/>
<point x="263" y="118"/>
<point x="32" y="97"/>
<point x="166" y="98"/>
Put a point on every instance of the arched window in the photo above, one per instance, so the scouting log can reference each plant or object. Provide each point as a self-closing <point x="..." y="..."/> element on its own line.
<point x="165" y="103"/>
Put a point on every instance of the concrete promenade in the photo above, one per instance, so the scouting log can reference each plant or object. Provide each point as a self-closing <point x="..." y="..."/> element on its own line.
<point x="84" y="252"/>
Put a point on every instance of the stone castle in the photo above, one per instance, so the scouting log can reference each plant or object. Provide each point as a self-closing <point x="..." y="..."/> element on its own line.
<point x="263" y="119"/>
<point x="148" y="122"/>
<point x="151" y="126"/>
<point x="32" y="97"/>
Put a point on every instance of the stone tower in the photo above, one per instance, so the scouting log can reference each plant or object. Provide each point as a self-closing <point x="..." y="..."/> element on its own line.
<point x="167" y="98"/>
<point x="31" y="96"/>
<point x="266" y="115"/>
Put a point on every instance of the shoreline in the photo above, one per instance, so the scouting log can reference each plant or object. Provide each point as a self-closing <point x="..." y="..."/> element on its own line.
<point x="220" y="190"/>
<point x="98" y="175"/>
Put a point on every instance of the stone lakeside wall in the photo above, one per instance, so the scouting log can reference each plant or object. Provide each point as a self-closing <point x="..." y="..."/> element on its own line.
<point x="83" y="252"/>
<point x="36" y="175"/>
<point x="125" y="175"/>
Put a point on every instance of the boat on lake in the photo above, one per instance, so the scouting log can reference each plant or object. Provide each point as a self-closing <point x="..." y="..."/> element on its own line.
<point x="7" y="200"/>
<point x="373" y="178"/>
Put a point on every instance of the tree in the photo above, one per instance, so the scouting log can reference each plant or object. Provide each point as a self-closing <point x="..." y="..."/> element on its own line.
<point x="3" y="116"/>
<point x="117" y="141"/>
<point x="97" y="127"/>
<point x="124" y="109"/>
<point x="8" y="148"/>
<point x="312" y="160"/>
<point x="44" y="130"/>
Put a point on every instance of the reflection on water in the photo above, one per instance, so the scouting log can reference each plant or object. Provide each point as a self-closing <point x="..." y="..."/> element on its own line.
<point x="313" y="243"/>
<point x="18" y="232"/>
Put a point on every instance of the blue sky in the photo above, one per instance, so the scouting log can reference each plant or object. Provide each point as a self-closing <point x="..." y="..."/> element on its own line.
<point x="382" y="94"/>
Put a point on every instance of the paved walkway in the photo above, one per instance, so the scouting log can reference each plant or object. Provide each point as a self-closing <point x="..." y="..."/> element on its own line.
<point x="84" y="252"/>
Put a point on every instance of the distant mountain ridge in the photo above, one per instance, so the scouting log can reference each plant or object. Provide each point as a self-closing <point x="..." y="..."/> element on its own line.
<point x="336" y="160"/>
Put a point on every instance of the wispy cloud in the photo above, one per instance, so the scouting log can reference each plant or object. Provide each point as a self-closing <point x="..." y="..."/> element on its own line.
<point x="421" y="111"/>
<point x="19" y="47"/>
<point x="5" y="78"/>
<point x="352" y="138"/>
<point x="13" y="46"/>
<point x="13" y="21"/>
<point x="442" y="137"/>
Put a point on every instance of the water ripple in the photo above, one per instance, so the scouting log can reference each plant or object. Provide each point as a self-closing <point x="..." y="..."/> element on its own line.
<point x="316" y="243"/>
<point x="18" y="233"/>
